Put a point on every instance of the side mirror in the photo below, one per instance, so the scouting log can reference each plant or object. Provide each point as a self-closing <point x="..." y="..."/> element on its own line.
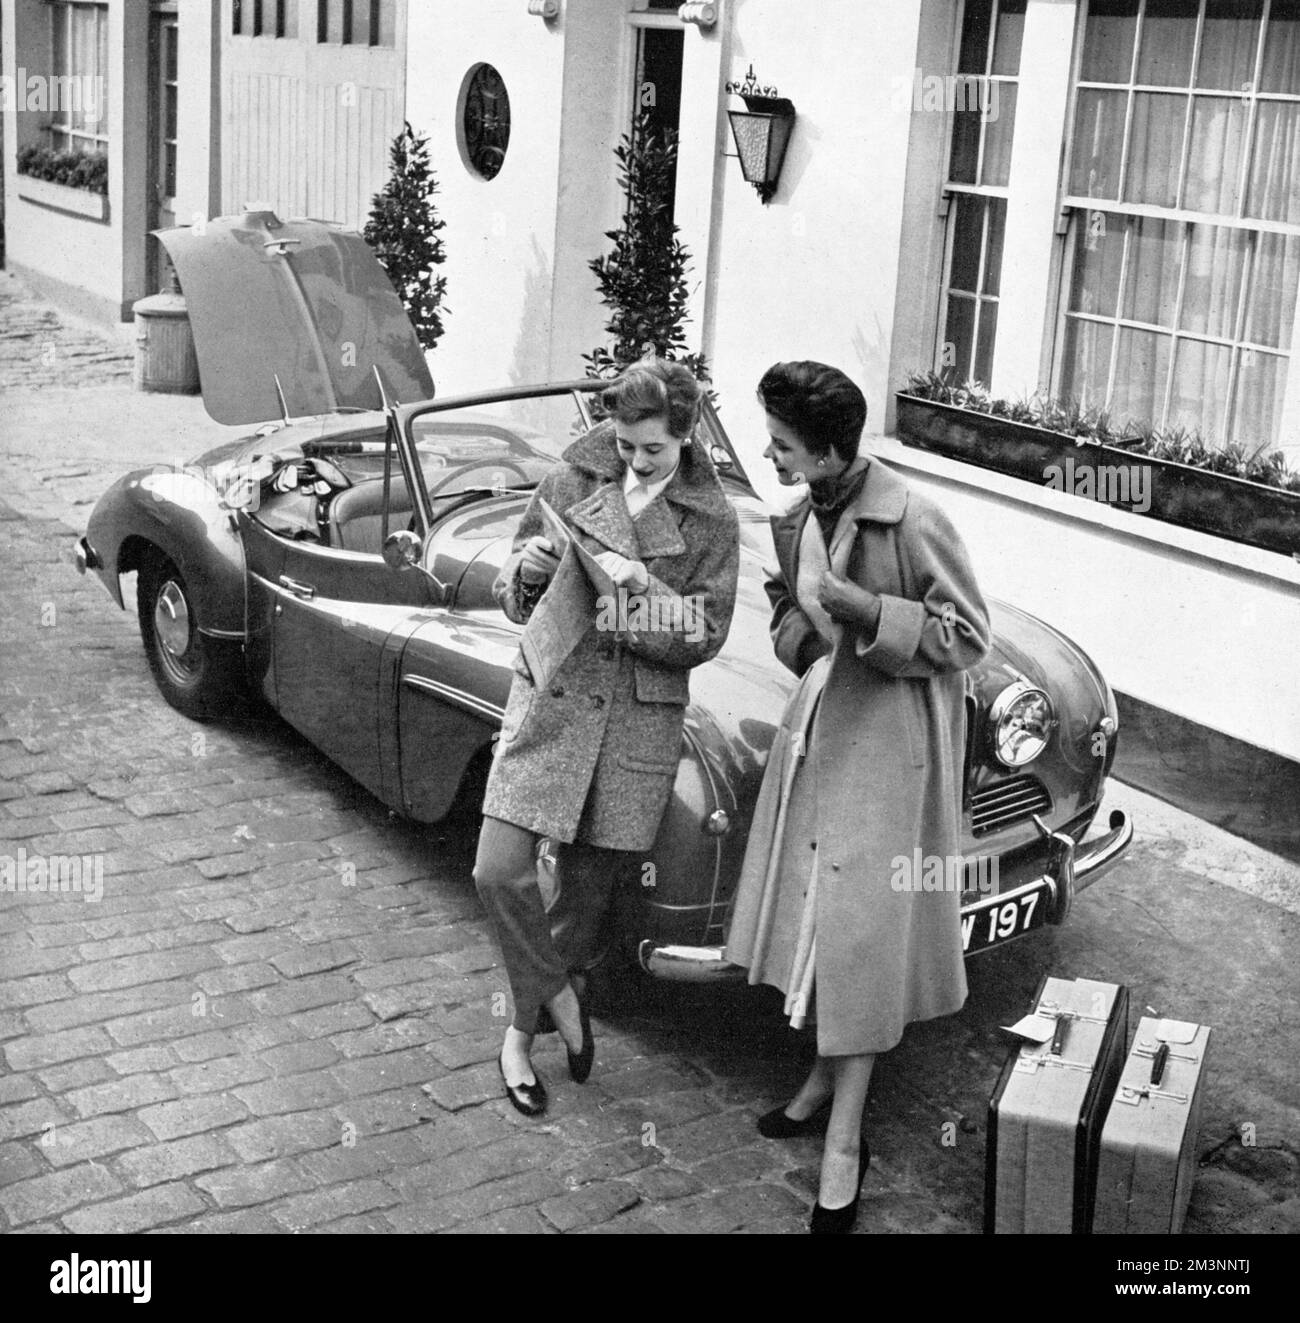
<point x="402" y="550"/>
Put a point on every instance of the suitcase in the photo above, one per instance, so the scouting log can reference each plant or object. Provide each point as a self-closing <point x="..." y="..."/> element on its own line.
<point x="1047" y="1111"/>
<point x="1148" y="1144"/>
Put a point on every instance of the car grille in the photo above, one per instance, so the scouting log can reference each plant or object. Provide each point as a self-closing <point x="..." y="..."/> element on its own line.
<point x="1007" y="802"/>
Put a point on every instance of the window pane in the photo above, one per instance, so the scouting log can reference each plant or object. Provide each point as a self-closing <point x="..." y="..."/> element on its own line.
<point x="1141" y="372"/>
<point x="975" y="23"/>
<point x="1214" y="161"/>
<point x="1275" y="168"/>
<point x="1168" y="39"/>
<point x="984" y="346"/>
<point x="359" y="34"/>
<point x="1216" y="263"/>
<point x="168" y="35"/>
<point x="387" y="23"/>
<point x="333" y="20"/>
<point x="1151" y="283"/>
<point x="1261" y="383"/>
<point x="169" y="111"/>
<point x="1099" y="253"/>
<point x="1087" y="361"/>
<point x="1098" y="141"/>
<point x="169" y="170"/>
<point x="965" y="146"/>
<point x="966" y="237"/>
<point x="1155" y="148"/>
<point x="1001" y="124"/>
<point x="1281" y="72"/>
<point x="1228" y="43"/>
<point x="1006" y="43"/>
<point x="997" y="214"/>
<point x="1108" y="41"/>
<point x="959" y="335"/>
<point x="1200" y="389"/>
<point x="1270" y="311"/>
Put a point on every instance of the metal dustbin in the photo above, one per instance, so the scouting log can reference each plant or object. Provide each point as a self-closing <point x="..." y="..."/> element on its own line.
<point x="164" y="344"/>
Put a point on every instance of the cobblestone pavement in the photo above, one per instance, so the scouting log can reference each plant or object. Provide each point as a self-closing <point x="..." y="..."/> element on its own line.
<point x="280" y="1015"/>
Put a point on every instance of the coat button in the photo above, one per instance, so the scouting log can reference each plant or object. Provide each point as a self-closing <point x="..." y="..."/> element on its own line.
<point x="598" y="700"/>
<point x="835" y="868"/>
<point x="607" y="652"/>
<point x="557" y="691"/>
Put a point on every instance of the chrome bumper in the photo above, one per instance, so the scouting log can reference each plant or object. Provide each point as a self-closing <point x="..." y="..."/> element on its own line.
<point x="1071" y="868"/>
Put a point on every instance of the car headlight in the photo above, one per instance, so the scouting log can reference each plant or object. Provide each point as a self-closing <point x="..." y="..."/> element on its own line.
<point x="1021" y="724"/>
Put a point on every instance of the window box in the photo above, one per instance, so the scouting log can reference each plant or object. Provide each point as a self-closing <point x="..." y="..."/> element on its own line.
<point x="77" y="201"/>
<point x="1217" y="503"/>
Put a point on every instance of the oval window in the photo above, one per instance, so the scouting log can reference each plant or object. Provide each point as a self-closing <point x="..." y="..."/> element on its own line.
<point x="484" y="121"/>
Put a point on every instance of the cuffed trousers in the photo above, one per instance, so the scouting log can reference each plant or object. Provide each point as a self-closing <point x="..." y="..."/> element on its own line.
<point x="542" y="946"/>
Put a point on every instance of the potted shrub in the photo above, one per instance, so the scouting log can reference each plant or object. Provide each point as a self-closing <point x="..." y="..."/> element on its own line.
<point x="1245" y="496"/>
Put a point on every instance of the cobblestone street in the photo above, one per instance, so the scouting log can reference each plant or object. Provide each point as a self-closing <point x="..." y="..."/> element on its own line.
<point x="283" y="1014"/>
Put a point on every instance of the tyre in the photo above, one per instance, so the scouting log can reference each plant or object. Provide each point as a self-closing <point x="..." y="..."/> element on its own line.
<point x="198" y="676"/>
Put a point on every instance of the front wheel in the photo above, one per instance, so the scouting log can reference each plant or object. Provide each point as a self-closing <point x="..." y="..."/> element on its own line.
<point x="198" y="676"/>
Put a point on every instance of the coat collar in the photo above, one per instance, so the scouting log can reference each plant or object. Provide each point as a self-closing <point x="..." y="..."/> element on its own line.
<point x="604" y="515"/>
<point x="882" y="500"/>
<point x="695" y="484"/>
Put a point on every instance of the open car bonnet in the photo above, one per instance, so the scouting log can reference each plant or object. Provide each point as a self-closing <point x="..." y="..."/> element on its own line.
<point x="301" y="301"/>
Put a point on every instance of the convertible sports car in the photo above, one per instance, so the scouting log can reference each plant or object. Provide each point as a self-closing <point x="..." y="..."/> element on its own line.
<point x="338" y="563"/>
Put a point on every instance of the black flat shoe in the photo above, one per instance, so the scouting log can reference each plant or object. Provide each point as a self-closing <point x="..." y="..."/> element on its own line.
<point x="777" y="1125"/>
<point x="580" y="1061"/>
<point x="530" y="1099"/>
<point x="545" y="1023"/>
<point x="839" y="1221"/>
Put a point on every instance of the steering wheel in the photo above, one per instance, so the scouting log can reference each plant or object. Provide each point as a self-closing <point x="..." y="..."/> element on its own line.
<point x="497" y="469"/>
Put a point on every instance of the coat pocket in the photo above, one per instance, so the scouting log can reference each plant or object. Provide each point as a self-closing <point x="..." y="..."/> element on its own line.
<point x="912" y="701"/>
<point x="661" y="684"/>
<point x="631" y="762"/>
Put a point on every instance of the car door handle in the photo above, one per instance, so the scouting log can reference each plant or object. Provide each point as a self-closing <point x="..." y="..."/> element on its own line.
<point x="303" y="590"/>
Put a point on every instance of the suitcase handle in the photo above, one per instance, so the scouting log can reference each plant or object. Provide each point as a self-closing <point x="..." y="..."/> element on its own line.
<point x="1158" y="1062"/>
<point x="1058" y="1034"/>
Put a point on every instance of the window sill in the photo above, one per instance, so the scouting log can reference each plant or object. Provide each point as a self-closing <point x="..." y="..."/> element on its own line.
<point x="59" y="197"/>
<point x="1121" y="525"/>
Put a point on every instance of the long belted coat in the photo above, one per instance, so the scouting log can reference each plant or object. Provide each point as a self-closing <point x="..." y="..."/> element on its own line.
<point x="877" y="773"/>
<point x="591" y="737"/>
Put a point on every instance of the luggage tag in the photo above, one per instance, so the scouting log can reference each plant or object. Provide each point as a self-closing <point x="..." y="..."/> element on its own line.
<point x="1056" y="1020"/>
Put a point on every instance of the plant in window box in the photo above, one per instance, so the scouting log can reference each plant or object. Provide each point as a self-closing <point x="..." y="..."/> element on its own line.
<point x="87" y="171"/>
<point x="1231" y="491"/>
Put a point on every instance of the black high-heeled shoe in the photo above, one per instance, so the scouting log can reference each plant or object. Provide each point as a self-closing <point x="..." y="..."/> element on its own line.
<point x="777" y="1125"/>
<point x="580" y="1061"/>
<point x="839" y="1221"/>
<point x="530" y="1099"/>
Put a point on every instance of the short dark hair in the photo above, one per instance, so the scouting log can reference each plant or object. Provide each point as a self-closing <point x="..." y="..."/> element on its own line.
<point x="655" y="388"/>
<point x="819" y="403"/>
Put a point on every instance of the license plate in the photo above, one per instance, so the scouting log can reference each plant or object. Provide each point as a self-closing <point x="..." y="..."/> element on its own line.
<point x="1002" y="918"/>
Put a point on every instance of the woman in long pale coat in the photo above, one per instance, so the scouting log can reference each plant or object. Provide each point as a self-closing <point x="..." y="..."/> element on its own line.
<point x="876" y="608"/>
<point x="591" y="736"/>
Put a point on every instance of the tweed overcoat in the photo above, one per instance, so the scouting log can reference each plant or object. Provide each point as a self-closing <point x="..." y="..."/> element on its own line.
<point x="881" y="770"/>
<point x="591" y="737"/>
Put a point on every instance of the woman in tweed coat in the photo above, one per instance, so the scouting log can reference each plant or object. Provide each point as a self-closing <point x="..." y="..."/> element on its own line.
<point x="591" y="736"/>
<point x="876" y="608"/>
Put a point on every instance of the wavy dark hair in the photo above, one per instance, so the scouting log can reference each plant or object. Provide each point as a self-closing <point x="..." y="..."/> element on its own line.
<point x="818" y="403"/>
<point x="655" y="388"/>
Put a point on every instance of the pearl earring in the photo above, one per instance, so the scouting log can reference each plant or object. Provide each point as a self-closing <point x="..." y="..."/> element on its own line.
<point x="821" y="463"/>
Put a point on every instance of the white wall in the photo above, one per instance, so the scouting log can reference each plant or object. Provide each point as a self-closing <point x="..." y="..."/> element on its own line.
<point x="813" y="274"/>
<point x="1201" y="627"/>
<point x="500" y="234"/>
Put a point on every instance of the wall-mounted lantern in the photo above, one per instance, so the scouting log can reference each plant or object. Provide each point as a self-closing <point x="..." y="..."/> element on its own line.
<point x="702" y="15"/>
<point x="547" y="10"/>
<point x="762" y="131"/>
